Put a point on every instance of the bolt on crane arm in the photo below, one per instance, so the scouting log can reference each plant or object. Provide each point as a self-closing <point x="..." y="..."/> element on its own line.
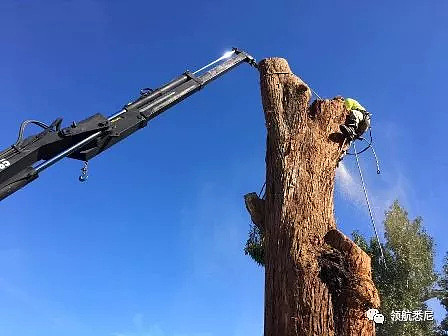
<point x="90" y="137"/>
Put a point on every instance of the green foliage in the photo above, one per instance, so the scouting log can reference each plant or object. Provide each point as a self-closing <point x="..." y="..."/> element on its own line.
<point x="406" y="282"/>
<point x="254" y="245"/>
<point x="408" y="278"/>
<point x="442" y="330"/>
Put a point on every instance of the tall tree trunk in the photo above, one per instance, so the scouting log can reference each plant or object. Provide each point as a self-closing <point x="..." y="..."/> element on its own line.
<point x="318" y="282"/>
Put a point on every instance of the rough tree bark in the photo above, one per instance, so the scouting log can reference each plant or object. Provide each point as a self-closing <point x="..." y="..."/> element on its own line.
<point x="317" y="281"/>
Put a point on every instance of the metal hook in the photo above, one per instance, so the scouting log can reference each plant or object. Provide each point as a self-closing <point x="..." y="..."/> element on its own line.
<point x="84" y="172"/>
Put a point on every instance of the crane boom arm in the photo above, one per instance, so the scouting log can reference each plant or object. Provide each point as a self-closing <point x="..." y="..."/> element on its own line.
<point x="90" y="137"/>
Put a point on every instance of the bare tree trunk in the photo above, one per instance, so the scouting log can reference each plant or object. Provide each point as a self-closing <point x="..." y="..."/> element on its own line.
<point x="304" y="254"/>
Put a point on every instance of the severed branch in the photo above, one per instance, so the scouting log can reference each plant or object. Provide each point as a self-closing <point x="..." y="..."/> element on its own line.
<point x="255" y="207"/>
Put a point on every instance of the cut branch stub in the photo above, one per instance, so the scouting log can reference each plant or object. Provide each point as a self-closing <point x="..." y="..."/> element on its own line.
<point x="255" y="207"/>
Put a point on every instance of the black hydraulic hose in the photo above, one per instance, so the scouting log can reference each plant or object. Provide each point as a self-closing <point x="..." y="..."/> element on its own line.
<point x="24" y="125"/>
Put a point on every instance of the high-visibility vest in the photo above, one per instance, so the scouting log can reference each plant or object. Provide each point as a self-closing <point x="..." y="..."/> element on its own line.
<point x="352" y="104"/>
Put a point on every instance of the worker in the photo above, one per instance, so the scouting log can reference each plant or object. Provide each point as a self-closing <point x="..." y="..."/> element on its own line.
<point x="356" y="123"/>
<point x="358" y="120"/>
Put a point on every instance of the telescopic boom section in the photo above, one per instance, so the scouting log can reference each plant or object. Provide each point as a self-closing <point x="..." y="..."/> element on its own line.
<point x="88" y="138"/>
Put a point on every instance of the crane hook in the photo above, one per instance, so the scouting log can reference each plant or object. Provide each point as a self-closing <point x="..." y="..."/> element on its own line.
<point x="84" y="172"/>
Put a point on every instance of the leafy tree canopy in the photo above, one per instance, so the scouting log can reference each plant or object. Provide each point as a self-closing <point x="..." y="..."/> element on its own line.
<point x="408" y="278"/>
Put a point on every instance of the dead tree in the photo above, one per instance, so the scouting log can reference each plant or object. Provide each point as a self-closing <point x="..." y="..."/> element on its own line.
<point x="317" y="281"/>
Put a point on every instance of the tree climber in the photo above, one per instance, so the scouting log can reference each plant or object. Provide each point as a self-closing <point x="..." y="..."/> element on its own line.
<point x="357" y="122"/>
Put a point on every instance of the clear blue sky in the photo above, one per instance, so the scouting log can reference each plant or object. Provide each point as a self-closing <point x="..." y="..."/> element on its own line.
<point x="152" y="244"/>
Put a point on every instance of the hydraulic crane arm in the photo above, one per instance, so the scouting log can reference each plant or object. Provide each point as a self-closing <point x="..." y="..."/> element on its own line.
<point x="88" y="138"/>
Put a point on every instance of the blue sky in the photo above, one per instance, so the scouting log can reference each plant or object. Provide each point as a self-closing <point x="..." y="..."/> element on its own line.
<point x="152" y="244"/>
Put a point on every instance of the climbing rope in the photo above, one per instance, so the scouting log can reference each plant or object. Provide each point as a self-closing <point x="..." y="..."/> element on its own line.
<point x="369" y="145"/>
<point x="315" y="92"/>
<point x="368" y="204"/>
<point x="262" y="188"/>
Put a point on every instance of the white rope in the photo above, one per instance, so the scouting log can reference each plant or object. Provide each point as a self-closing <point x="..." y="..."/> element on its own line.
<point x="261" y="191"/>
<point x="368" y="204"/>
<point x="315" y="93"/>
